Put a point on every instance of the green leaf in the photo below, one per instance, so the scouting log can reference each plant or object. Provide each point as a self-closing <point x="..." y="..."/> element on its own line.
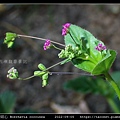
<point x="97" y="62"/>
<point x="85" y="85"/>
<point x="83" y="36"/>
<point x="7" y="102"/>
<point x="98" y="68"/>
<point x="84" y="65"/>
<point x="105" y="64"/>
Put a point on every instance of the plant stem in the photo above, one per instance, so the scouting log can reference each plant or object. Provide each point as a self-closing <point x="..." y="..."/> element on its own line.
<point x="39" y="39"/>
<point x="113" y="84"/>
<point x="26" y="78"/>
<point x="41" y="71"/>
<point x="113" y="105"/>
<point x="54" y="65"/>
<point x="56" y="47"/>
<point x="70" y="73"/>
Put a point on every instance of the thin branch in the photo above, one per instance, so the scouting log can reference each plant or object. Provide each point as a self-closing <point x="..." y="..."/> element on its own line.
<point x="39" y="39"/>
<point x="69" y="73"/>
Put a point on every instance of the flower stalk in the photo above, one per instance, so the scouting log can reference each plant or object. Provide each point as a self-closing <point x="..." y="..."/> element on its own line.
<point x="41" y="71"/>
<point x="40" y="39"/>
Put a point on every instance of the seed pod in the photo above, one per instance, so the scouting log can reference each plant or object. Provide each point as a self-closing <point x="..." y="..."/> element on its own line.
<point x="44" y="79"/>
<point x="39" y="73"/>
<point x="41" y="66"/>
<point x="44" y="83"/>
<point x="45" y="76"/>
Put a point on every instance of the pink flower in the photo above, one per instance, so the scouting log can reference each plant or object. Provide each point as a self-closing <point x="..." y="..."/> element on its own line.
<point x="100" y="47"/>
<point x="65" y="28"/>
<point x="47" y="44"/>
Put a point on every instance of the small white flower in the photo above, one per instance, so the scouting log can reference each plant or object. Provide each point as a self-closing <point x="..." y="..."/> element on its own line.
<point x="12" y="73"/>
<point x="9" y="75"/>
<point x="14" y="70"/>
<point x="11" y="70"/>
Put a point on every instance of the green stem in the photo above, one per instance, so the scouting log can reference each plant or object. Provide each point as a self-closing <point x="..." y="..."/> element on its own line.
<point x="113" y="84"/>
<point x="41" y="71"/>
<point x="39" y="39"/>
<point x="113" y="105"/>
<point x="53" y="46"/>
<point x="54" y="65"/>
<point x="26" y="78"/>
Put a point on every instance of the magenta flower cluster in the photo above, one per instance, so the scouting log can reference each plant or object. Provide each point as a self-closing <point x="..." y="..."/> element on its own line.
<point x="65" y="28"/>
<point x="47" y="44"/>
<point x="100" y="47"/>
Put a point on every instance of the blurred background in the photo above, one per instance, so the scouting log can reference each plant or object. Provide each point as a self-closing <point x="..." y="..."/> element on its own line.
<point x="45" y="21"/>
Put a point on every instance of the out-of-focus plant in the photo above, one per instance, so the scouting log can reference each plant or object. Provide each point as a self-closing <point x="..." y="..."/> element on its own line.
<point x="7" y="102"/>
<point x="96" y="86"/>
